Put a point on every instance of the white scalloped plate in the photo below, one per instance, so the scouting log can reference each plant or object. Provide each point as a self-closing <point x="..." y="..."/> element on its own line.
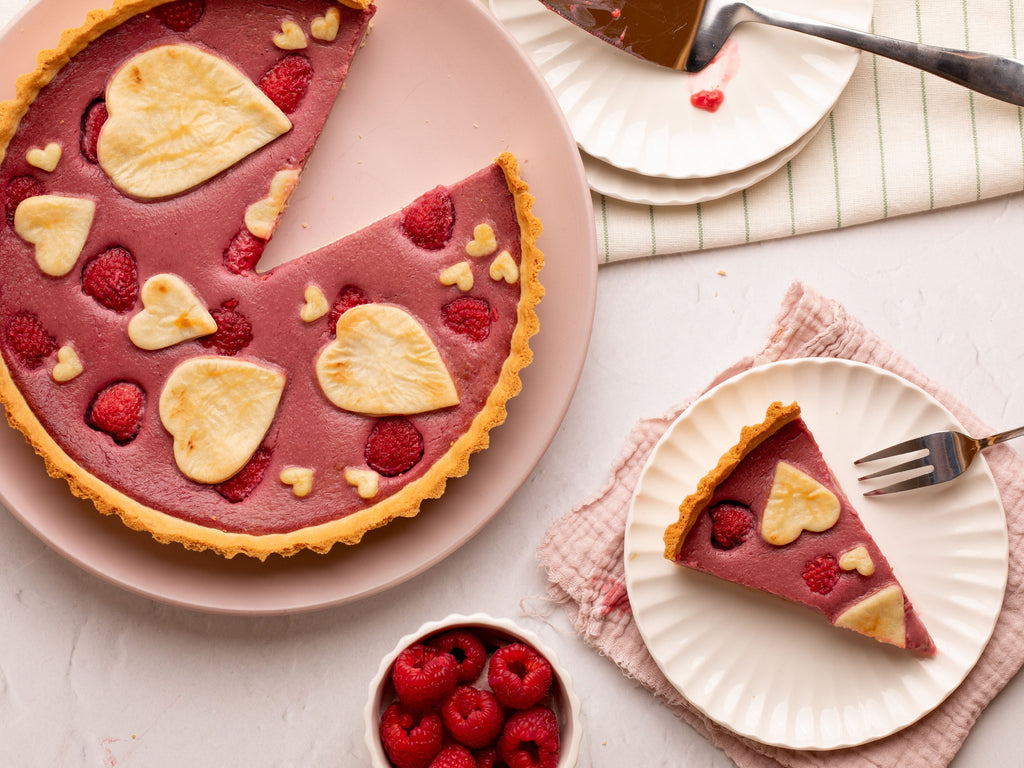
<point x="606" y="179"/>
<point x="774" y="671"/>
<point x="637" y="116"/>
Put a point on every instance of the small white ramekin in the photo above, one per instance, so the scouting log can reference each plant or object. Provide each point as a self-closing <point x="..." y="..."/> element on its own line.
<point x="564" y="700"/>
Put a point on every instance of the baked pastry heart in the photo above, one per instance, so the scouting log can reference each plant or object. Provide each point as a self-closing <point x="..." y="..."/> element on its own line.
<point x="770" y="516"/>
<point x="157" y="371"/>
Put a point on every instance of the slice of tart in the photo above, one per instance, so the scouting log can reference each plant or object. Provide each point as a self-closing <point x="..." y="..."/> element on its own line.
<point x="143" y="167"/>
<point x="771" y="516"/>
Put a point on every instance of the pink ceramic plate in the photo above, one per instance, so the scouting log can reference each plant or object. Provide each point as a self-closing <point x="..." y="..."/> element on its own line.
<point x="399" y="128"/>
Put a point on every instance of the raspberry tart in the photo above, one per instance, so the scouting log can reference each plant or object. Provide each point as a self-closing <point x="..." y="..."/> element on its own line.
<point x="143" y="167"/>
<point x="771" y="516"/>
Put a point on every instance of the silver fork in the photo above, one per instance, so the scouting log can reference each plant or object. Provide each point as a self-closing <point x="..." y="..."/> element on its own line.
<point x="946" y="455"/>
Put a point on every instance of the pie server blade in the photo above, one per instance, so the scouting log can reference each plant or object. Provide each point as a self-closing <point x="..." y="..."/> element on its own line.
<point x="659" y="31"/>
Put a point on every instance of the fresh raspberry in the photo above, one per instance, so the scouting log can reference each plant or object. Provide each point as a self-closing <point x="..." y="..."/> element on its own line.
<point x="822" y="574"/>
<point x="112" y="278"/>
<point x="181" y="14"/>
<point x="429" y="220"/>
<point x="472" y="716"/>
<point x="93" y="118"/>
<point x="244" y="482"/>
<point x="243" y="252"/>
<point x="410" y="739"/>
<point x="530" y="739"/>
<point x="349" y="296"/>
<point x="28" y="339"/>
<point x="489" y="758"/>
<point x="20" y="188"/>
<point x="117" y="409"/>
<point x="394" y="446"/>
<point x="519" y="676"/>
<point x="423" y="676"/>
<point x="453" y="756"/>
<point x="468" y="316"/>
<point x="731" y="523"/>
<point x="466" y="648"/>
<point x="286" y="82"/>
<point x="234" y="331"/>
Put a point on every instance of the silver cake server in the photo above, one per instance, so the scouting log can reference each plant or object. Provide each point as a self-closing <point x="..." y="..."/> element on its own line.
<point x="686" y="35"/>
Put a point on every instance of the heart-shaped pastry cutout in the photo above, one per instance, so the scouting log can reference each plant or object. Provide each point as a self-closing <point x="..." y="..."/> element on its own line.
<point x="460" y="275"/>
<point x="291" y="37"/>
<point x="882" y="615"/>
<point x="857" y="559"/>
<point x="69" y="365"/>
<point x="58" y="228"/>
<point x="45" y="159"/>
<point x="218" y="410"/>
<point x="504" y="267"/>
<point x="382" y="363"/>
<point x="178" y="116"/>
<point x="326" y="27"/>
<point x="171" y="314"/>
<point x="483" y="243"/>
<point x="299" y="478"/>
<point x="316" y="305"/>
<point x="365" y="481"/>
<point x="261" y="217"/>
<point x="797" y="502"/>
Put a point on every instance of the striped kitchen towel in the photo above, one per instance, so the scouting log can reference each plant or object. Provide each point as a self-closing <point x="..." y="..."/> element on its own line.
<point x="898" y="141"/>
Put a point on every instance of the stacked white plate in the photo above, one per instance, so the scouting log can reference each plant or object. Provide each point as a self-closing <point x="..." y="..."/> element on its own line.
<point x="641" y="138"/>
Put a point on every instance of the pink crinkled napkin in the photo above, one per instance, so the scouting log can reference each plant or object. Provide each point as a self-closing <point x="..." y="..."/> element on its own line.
<point x="582" y="553"/>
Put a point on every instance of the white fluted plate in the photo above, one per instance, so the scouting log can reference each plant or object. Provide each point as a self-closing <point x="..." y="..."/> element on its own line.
<point x="775" y="671"/>
<point x="637" y="116"/>
<point x="608" y="180"/>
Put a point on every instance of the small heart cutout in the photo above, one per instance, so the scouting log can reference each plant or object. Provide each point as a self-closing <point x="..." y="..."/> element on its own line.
<point x="58" y="227"/>
<point x="299" y="478"/>
<point x="797" y="503"/>
<point x="171" y="314"/>
<point x="382" y="363"/>
<point x="859" y="560"/>
<point x="218" y="411"/>
<point x="483" y="243"/>
<point x="291" y="37"/>
<point x="45" y="159"/>
<point x="316" y="305"/>
<point x="326" y="27"/>
<point x="178" y="116"/>
<point x="460" y="275"/>
<point x="69" y="365"/>
<point x="365" y="481"/>
<point x="504" y="267"/>
<point x="261" y="217"/>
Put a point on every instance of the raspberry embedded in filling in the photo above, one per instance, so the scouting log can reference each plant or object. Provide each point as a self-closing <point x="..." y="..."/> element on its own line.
<point x="731" y="523"/>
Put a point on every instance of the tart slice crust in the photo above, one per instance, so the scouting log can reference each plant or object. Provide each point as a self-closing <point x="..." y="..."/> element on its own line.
<point x="776" y="417"/>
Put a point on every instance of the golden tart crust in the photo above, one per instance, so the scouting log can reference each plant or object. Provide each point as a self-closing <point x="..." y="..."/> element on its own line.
<point x="776" y="417"/>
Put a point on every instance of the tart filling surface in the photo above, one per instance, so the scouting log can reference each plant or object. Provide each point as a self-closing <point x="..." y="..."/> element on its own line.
<point x="145" y="164"/>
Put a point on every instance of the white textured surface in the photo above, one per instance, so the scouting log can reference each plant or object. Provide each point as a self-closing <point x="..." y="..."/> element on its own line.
<point x="93" y="676"/>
